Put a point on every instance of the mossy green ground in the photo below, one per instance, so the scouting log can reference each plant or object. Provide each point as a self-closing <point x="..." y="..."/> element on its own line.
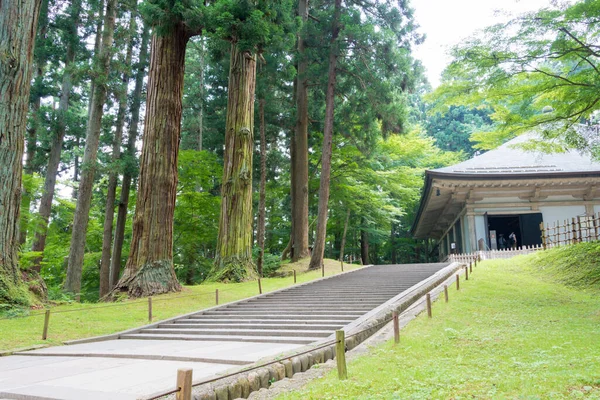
<point x="100" y="319"/>
<point x="514" y="331"/>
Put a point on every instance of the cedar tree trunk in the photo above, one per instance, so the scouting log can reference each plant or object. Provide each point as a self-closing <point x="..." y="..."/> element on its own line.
<point x="300" y="166"/>
<point x="84" y="197"/>
<point x="316" y="260"/>
<point x="111" y="193"/>
<point x="343" y="244"/>
<point x="39" y="241"/>
<point x="262" y="189"/>
<point x="364" y="247"/>
<point x="233" y="259"/>
<point x="150" y="269"/>
<point x="18" y="24"/>
<point x="136" y="102"/>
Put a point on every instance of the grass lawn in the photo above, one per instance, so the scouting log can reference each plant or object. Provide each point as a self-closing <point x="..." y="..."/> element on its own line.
<point x="512" y="332"/>
<point x="98" y="319"/>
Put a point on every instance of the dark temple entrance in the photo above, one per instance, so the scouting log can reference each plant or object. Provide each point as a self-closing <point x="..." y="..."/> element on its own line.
<point x="525" y="226"/>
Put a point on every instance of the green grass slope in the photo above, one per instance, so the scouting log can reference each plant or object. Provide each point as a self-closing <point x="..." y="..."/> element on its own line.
<point x="513" y="331"/>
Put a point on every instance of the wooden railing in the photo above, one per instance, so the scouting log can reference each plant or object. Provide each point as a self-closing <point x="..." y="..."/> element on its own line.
<point x="580" y="229"/>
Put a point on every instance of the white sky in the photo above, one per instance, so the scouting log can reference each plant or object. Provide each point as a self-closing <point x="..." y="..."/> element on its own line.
<point x="447" y="22"/>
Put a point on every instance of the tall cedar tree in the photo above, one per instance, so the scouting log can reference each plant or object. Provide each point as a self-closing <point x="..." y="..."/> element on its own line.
<point x="111" y="191"/>
<point x="316" y="260"/>
<point x="130" y="166"/>
<point x="18" y="25"/>
<point x="300" y="159"/>
<point x="84" y="197"/>
<point x="71" y="39"/>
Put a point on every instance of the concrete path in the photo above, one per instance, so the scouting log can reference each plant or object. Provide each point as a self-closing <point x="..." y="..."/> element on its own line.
<point x="145" y="361"/>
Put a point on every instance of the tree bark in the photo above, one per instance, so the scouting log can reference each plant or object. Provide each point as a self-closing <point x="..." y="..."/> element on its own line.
<point x="262" y="189"/>
<point x="130" y="156"/>
<point x="316" y="260"/>
<point x="364" y="247"/>
<point x="32" y="132"/>
<point x="300" y="161"/>
<point x="111" y="194"/>
<point x="150" y="269"/>
<point x="39" y="241"/>
<point x="233" y="259"/>
<point x="343" y="244"/>
<point x="18" y="24"/>
<point x="82" y="210"/>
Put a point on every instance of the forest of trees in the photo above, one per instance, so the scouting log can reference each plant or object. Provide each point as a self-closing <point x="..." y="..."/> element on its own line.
<point x="145" y="146"/>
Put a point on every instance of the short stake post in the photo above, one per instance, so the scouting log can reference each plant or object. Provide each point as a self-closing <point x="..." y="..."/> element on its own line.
<point x="217" y="296"/>
<point x="471" y="267"/>
<point x="340" y="354"/>
<point x="323" y="270"/>
<point x="446" y="293"/>
<point x="150" y="309"/>
<point x="396" y="327"/>
<point x="457" y="282"/>
<point x="184" y="384"/>
<point x="466" y="273"/>
<point x="46" y="323"/>
<point x="294" y="276"/>
<point x="428" y="300"/>
<point x="259" y="287"/>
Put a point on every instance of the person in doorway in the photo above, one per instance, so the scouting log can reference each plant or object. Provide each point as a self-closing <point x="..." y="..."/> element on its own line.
<point x="512" y="238"/>
<point x="502" y="244"/>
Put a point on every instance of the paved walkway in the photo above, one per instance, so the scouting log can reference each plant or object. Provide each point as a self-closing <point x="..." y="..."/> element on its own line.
<point x="145" y="361"/>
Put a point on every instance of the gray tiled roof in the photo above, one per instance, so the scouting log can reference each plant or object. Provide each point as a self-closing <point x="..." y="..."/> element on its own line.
<point x="508" y="159"/>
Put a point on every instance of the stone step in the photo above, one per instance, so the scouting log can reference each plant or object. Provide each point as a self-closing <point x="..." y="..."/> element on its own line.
<point x="207" y="325"/>
<point x="272" y="317"/>
<point x="300" y="302"/>
<point x="280" y="322"/>
<point x="223" y="338"/>
<point x="240" y="332"/>
<point x="334" y="313"/>
<point x="290" y="308"/>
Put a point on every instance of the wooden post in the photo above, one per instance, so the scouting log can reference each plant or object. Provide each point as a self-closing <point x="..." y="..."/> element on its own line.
<point x="579" y="233"/>
<point x="342" y="263"/>
<point x="294" y="276"/>
<point x="543" y="235"/>
<point x="595" y="224"/>
<point x="184" y="384"/>
<point x="457" y="282"/>
<point x="396" y="327"/>
<point x="428" y="301"/>
<point x="150" y="309"/>
<point x="259" y="287"/>
<point x="470" y="267"/>
<point x="323" y="270"/>
<point x="217" y="297"/>
<point x="574" y="231"/>
<point x="446" y="293"/>
<point x="466" y="274"/>
<point x="46" y="323"/>
<point x="340" y="354"/>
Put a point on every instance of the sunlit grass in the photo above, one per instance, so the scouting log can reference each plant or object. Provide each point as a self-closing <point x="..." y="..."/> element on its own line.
<point x="512" y="332"/>
<point x="98" y="319"/>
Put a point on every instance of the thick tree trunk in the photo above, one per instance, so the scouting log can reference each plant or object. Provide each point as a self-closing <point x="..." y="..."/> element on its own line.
<point x="113" y="177"/>
<point x="262" y="189"/>
<point x="316" y="260"/>
<point x="364" y="247"/>
<point x="300" y="166"/>
<point x="18" y="24"/>
<point x="39" y="241"/>
<point x="343" y="244"/>
<point x="136" y="102"/>
<point x="233" y="260"/>
<point x="82" y="210"/>
<point x="150" y="269"/>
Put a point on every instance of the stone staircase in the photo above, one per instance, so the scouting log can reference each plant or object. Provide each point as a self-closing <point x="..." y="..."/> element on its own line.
<point x="299" y="315"/>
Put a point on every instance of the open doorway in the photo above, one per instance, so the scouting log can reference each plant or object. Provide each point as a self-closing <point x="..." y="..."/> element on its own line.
<point x="525" y="226"/>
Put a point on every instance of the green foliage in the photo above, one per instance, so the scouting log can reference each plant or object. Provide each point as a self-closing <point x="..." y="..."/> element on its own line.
<point x="537" y="71"/>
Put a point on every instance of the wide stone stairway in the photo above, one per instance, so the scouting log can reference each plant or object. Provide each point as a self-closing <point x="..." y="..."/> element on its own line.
<point x="299" y="315"/>
<point x="142" y="361"/>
